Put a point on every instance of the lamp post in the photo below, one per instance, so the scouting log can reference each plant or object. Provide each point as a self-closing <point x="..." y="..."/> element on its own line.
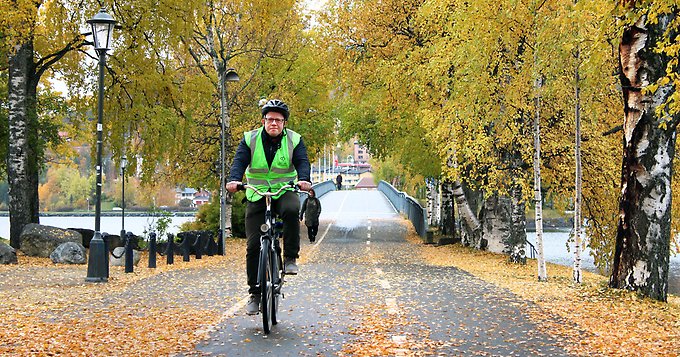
<point x="229" y="75"/>
<point x="102" y="32"/>
<point x="123" y="164"/>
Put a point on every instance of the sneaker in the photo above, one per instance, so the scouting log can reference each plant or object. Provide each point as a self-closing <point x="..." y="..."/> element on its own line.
<point x="253" y="306"/>
<point x="289" y="266"/>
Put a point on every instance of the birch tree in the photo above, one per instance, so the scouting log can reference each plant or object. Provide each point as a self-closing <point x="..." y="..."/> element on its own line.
<point x="648" y="68"/>
<point x="24" y="28"/>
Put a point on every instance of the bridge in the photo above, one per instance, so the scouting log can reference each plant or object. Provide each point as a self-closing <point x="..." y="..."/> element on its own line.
<point x="362" y="278"/>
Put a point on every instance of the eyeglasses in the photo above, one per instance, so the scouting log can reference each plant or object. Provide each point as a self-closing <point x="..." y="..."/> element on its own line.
<point x="274" y="120"/>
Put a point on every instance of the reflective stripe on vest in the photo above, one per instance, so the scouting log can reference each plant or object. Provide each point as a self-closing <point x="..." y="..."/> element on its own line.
<point x="282" y="171"/>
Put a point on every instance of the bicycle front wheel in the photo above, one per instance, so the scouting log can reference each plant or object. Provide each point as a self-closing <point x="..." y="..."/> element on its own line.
<point x="266" y="289"/>
<point x="276" y="287"/>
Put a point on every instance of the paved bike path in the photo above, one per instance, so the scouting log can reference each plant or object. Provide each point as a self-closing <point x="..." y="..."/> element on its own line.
<point x="363" y="286"/>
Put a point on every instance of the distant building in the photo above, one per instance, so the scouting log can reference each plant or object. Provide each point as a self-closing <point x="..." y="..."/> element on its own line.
<point x="197" y="197"/>
<point x="361" y="155"/>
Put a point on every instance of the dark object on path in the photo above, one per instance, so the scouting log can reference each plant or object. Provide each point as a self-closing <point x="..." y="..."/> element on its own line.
<point x="338" y="182"/>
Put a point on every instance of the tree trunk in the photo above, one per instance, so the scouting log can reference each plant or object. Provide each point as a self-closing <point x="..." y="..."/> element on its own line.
<point x="22" y="173"/>
<point x="516" y="243"/>
<point x="447" y="219"/>
<point x="432" y="207"/>
<point x="577" y="194"/>
<point x="642" y="250"/>
<point x="495" y="217"/>
<point x="538" y="199"/>
<point x="472" y="224"/>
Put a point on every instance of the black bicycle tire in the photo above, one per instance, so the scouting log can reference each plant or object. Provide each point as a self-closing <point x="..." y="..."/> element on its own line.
<point x="265" y="289"/>
<point x="275" y="273"/>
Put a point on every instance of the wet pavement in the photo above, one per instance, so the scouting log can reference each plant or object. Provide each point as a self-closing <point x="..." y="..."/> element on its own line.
<point x="364" y="290"/>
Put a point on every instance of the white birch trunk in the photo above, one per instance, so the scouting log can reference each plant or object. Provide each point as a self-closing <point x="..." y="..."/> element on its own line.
<point x="469" y="218"/>
<point x="19" y="150"/>
<point x="642" y="250"/>
<point x="538" y="199"/>
<point x="577" y="199"/>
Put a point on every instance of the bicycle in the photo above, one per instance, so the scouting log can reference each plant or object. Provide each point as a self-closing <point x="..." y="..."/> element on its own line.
<point x="270" y="272"/>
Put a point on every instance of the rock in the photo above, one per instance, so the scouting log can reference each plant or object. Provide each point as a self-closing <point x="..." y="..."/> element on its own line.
<point x="40" y="241"/>
<point x="69" y="253"/>
<point x="7" y="254"/>
<point x="87" y="235"/>
<point x="120" y="253"/>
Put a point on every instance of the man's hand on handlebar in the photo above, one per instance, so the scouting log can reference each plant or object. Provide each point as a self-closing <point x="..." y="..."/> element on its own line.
<point x="304" y="185"/>
<point x="232" y="186"/>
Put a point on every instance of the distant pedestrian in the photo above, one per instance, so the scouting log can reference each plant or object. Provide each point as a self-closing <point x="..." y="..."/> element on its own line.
<point x="338" y="182"/>
<point x="311" y="209"/>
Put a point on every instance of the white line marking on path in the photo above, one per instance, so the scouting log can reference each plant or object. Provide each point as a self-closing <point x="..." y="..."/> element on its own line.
<point x="239" y="305"/>
<point x="392" y="307"/>
<point x="337" y="214"/>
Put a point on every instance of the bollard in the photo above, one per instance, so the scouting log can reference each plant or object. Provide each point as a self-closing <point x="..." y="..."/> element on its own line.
<point x="128" y="251"/>
<point x="199" y="246"/>
<point x="105" y="238"/>
<point x="220" y="243"/>
<point x="186" y="249"/>
<point x="152" y="250"/>
<point x="170" y="249"/>
<point x="211" y="246"/>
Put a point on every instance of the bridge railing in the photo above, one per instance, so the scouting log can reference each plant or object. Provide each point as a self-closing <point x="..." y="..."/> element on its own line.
<point x="407" y="206"/>
<point x="320" y="189"/>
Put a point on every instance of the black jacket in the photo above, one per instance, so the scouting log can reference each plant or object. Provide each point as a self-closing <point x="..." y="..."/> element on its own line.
<point x="242" y="157"/>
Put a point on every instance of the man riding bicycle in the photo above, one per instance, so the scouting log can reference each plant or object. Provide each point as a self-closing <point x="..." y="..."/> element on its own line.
<point x="270" y="157"/>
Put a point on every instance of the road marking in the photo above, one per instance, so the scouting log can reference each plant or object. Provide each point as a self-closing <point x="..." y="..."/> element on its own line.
<point x="368" y="242"/>
<point x="239" y="305"/>
<point x="392" y="307"/>
<point x="337" y="214"/>
<point x="400" y="340"/>
<point x="369" y="235"/>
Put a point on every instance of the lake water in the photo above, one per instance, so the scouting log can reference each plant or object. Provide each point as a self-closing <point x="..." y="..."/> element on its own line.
<point x="555" y="251"/>
<point x="554" y="243"/>
<point x="108" y="224"/>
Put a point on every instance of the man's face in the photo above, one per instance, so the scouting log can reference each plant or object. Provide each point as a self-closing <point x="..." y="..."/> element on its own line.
<point x="273" y="123"/>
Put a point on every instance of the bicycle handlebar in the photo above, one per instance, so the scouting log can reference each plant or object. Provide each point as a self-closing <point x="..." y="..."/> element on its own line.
<point x="242" y="187"/>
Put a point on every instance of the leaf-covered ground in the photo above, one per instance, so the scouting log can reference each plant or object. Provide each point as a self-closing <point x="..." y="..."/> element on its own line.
<point x="49" y="309"/>
<point x="615" y="322"/>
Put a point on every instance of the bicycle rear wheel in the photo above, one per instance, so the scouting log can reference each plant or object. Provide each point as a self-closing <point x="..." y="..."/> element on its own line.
<point x="266" y="289"/>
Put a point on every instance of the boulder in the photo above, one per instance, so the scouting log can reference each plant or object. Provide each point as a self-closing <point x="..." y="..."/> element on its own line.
<point x="87" y="235"/>
<point x="40" y="241"/>
<point x="69" y="253"/>
<point x="120" y="253"/>
<point x="7" y="254"/>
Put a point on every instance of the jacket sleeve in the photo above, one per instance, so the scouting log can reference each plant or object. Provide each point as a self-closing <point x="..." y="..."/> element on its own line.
<point x="300" y="161"/>
<point x="241" y="162"/>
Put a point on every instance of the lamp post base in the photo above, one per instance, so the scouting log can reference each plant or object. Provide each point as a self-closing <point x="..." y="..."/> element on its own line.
<point x="97" y="263"/>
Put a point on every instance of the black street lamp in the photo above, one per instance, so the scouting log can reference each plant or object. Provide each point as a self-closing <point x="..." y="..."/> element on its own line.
<point x="98" y="262"/>
<point x="123" y="164"/>
<point x="230" y="75"/>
